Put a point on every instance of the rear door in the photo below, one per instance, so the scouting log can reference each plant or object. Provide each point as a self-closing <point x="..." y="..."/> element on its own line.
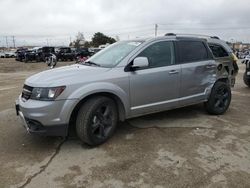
<point x="198" y="70"/>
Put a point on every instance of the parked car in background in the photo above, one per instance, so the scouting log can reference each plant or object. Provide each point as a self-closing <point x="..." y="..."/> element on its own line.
<point x="44" y="52"/>
<point x="10" y="54"/>
<point x="103" y="46"/>
<point x="94" y="50"/>
<point x="246" y="76"/>
<point x="20" y="54"/>
<point x="30" y="55"/>
<point x="65" y="54"/>
<point x="83" y="52"/>
<point x="2" y="55"/>
<point x="242" y="55"/>
<point x="247" y="57"/>
<point x="126" y="80"/>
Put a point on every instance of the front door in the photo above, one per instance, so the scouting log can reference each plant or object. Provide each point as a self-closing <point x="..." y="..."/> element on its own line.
<point x="156" y="87"/>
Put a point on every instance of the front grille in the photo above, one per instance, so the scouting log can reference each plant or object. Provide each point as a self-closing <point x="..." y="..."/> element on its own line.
<point x="27" y="91"/>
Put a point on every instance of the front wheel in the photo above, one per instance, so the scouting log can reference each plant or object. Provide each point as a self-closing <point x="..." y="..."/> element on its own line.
<point x="219" y="99"/>
<point x="246" y="79"/>
<point x="96" y="120"/>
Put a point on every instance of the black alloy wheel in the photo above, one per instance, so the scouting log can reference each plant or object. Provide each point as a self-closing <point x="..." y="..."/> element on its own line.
<point x="219" y="99"/>
<point x="96" y="120"/>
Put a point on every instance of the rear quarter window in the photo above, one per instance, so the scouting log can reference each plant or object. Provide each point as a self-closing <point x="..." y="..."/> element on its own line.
<point x="192" y="51"/>
<point x="218" y="51"/>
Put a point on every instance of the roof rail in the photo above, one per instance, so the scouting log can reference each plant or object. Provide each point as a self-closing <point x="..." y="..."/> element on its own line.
<point x="215" y="37"/>
<point x="170" y="34"/>
<point x="190" y="35"/>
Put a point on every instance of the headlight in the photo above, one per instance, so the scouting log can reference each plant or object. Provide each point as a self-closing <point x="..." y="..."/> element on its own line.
<point x="43" y="93"/>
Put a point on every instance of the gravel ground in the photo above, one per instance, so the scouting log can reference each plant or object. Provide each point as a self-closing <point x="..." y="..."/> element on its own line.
<point x="179" y="148"/>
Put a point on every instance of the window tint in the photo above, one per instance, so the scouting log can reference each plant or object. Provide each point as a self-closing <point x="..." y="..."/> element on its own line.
<point x="218" y="51"/>
<point x="191" y="51"/>
<point x="159" y="54"/>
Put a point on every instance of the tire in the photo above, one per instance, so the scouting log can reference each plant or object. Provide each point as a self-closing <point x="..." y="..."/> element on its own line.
<point x="246" y="79"/>
<point x="219" y="99"/>
<point x="96" y="120"/>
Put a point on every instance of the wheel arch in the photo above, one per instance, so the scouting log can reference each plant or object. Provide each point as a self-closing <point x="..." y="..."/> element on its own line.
<point x="120" y="105"/>
<point x="223" y="79"/>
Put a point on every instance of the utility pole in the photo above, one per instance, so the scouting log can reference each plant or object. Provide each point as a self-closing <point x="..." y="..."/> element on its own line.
<point x="156" y="27"/>
<point x="6" y="38"/>
<point x="14" y="41"/>
<point x="70" y="41"/>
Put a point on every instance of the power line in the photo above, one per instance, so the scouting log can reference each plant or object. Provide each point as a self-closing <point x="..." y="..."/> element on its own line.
<point x="126" y="28"/>
<point x="204" y="28"/>
<point x="132" y="32"/>
<point x="190" y="28"/>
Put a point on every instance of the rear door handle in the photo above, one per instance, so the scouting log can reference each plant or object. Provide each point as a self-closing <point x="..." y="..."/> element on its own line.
<point x="173" y="72"/>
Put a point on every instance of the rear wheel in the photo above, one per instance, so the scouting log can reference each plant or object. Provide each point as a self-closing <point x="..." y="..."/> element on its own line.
<point x="219" y="99"/>
<point x="246" y="79"/>
<point x="96" y="120"/>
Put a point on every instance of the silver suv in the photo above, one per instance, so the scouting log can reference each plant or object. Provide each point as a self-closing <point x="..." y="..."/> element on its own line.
<point x="125" y="80"/>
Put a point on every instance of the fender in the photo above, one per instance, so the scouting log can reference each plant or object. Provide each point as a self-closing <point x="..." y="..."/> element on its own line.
<point x="100" y="87"/>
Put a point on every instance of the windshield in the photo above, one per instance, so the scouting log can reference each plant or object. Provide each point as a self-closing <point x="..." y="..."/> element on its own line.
<point x="114" y="54"/>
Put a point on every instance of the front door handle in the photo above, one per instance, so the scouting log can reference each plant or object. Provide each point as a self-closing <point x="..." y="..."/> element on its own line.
<point x="173" y="72"/>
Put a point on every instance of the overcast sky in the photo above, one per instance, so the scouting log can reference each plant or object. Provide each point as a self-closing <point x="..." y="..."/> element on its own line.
<point x="55" y="21"/>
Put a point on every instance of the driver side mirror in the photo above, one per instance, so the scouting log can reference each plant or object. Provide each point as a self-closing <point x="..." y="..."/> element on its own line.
<point x="140" y="62"/>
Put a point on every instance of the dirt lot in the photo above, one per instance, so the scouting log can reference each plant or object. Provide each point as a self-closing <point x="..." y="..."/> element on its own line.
<point x="179" y="148"/>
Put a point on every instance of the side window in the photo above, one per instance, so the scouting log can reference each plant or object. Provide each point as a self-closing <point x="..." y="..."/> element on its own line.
<point x="159" y="54"/>
<point x="218" y="51"/>
<point x="191" y="51"/>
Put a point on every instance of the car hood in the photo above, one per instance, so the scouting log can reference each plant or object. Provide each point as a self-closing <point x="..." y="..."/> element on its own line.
<point x="64" y="75"/>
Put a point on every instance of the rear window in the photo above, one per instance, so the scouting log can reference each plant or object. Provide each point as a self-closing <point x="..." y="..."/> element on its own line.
<point x="191" y="51"/>
<point x="218" y="51"/>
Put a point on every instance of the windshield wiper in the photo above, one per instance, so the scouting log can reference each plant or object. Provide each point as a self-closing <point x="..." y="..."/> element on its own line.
<point x="91" y="63"/>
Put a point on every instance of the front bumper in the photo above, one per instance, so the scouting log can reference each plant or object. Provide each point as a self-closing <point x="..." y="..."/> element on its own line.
<point x="47" y="118"/>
